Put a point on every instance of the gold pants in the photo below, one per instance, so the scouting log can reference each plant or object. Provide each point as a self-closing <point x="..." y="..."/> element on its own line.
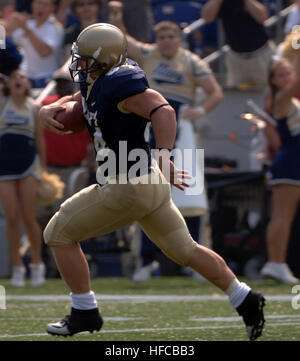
<point x="96" y="210"/>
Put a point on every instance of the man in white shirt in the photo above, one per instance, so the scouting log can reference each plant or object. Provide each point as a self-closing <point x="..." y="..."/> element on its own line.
<point x="40" y="39"/>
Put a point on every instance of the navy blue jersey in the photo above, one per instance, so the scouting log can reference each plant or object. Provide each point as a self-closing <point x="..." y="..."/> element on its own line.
<point x="243" y="33"/>
<point x="285" y="167"/>
<point x="109" y="127"/>
<point x="18" y="154"/>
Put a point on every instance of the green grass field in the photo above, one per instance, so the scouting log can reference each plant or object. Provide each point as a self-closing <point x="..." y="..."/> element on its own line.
<point x="162" y="309"/>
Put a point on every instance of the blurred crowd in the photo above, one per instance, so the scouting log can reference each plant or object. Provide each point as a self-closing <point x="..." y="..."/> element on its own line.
<point x="38" y="39"/>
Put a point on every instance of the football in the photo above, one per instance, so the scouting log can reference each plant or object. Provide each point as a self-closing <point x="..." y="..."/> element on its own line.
<point x="72" y="117"/>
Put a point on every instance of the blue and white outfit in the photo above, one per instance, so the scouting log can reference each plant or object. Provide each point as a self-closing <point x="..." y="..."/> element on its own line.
<point x="285" y="168"/>
<point x="18" y="154"/>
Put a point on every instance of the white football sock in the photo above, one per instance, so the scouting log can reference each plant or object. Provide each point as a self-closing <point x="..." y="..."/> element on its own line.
<point x="237" y="292"/>
<point x="84" y="301"/>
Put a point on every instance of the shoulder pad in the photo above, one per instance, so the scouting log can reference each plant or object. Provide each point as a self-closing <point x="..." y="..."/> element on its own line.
<point x="125" y="81"/>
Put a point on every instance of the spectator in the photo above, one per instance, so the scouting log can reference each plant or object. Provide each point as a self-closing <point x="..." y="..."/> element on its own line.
<point x="87" y="12"/>
<point x="293" y="18"/>
<point x="6" y="7"/>
<point x="137" y="16"/>
<point x="21" y="160"/>
<point x="250" y="49"/>
<point x="41" y="39"/>
<point x="62" y="11"/>
<point x="10" y="57"/>
<point x="175" y="71"/>
<point x="289" y="47"/>
<point x="23" y="6"/>
<point x="284" y="80"/>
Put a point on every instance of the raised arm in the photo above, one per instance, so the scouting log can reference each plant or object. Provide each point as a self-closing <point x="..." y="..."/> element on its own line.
<point x="284" y="97"/>
<point x="61" y="12"/>
<point x="20" y="21"/>
<point x="211" y="9"/>
<point x="116" y="18"/>
<point x="257" y="10"/>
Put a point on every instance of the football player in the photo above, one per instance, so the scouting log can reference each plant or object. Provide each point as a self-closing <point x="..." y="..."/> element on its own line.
<point x="118" y="103"/>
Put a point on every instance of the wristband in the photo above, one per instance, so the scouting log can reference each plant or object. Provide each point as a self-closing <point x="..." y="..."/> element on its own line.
<point x="200" y="109"/>
<point x="170" y="150"/>
<point x="158" y="107"/>
<point x="171" y="157"/>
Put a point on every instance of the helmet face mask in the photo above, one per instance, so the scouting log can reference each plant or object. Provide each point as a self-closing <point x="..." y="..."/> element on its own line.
<point x="98" y="49"/>
<point x="82" y="68"/>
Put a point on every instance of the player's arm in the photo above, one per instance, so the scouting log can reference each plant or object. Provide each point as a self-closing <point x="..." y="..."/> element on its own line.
<point x="163" y="120"/>
<point x="47" y="112"/>
<point x="149" y="106"/>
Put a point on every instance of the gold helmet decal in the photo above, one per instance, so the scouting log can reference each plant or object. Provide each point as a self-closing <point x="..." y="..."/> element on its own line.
<point x="98" y="48"/>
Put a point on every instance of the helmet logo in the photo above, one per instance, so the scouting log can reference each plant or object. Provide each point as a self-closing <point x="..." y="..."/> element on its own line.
<point x="97" y="52"/>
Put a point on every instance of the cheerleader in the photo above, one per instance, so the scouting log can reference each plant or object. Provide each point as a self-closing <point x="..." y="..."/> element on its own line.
<point x="284" y="83"/>
<point x="21" y="162"/>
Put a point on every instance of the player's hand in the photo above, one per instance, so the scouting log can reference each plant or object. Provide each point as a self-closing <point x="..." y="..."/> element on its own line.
<point x="47" y="117"/>
<point x="173" y="175"/>
<point x="178" y="176"/>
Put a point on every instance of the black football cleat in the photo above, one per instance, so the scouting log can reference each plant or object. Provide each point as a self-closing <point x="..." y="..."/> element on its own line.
<point x="252" y="312"/>
<point x="77" y="321"/>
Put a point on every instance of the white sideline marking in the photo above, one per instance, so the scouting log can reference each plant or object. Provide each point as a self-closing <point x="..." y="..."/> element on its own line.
<point x="157" y="329"/>
<point x="141" y="298"/>
<point x="234" y="319"/>
<point x="52" y="318"/>
<point x="199" y="319"/>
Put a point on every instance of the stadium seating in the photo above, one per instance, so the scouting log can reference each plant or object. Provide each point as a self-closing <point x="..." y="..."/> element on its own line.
<point x="182" y="13"/>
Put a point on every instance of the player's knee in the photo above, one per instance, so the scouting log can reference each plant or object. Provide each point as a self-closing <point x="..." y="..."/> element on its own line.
<point x="53" y="233"/>
<point x="49" y="230"/>
<point x="179" y="247"/>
